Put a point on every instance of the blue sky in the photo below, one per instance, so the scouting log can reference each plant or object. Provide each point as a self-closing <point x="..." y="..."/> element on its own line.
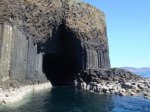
<point x="128" y="30"/>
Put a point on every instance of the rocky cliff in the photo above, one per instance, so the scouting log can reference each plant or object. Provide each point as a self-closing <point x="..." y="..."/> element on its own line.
<point x="50" y="39"/>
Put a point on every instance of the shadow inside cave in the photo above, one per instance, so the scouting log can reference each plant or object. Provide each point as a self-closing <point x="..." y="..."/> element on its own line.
<point x="63" y="57"/>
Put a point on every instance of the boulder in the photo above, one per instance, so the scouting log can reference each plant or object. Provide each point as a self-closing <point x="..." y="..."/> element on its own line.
<point x="141" y="86"/>
<point x="127" y="85"/>
<point x="147" y="95"/>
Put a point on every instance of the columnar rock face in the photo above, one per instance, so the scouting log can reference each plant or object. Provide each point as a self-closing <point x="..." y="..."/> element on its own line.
<point x="5" y="49"/>
<point x="19" y="59"/>
<point x="42" y="39"/>
<point x="25" y="61"/>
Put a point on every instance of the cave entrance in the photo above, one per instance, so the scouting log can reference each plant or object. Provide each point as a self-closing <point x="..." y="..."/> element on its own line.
<point x="63" y="57"/>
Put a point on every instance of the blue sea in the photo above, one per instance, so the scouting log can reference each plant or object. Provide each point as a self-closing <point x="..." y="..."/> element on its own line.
<point x="67" y="99"/>
<point x="145" y="74"/>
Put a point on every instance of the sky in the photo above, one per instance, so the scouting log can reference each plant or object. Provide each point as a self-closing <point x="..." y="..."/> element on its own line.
<point x="128" y="31"/>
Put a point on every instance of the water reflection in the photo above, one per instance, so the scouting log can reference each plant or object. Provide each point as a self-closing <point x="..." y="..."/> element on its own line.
<point x="72" y="100"/>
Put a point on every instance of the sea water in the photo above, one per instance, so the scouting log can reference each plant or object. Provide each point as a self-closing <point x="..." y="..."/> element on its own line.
<point x="67" y="99"/>
<point x="145" y="74"/>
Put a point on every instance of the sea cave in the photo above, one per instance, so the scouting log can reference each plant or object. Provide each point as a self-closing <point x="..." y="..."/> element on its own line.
<point x="62" y="58"/>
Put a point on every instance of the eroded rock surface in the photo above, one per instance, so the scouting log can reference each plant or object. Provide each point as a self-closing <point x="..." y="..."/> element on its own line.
<point x="38" y="18"/>
<point x="53" y="39"/>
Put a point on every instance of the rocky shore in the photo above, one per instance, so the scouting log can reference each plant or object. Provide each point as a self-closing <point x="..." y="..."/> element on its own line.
<point x="113" y="81"/>
<point x="13" y="95"/>
<point x="102" y="81"/>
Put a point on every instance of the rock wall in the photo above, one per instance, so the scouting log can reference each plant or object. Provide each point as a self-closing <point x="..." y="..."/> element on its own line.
<point x="29" y="30"/>
<point x="26" y="61"/>
<point x="5" y="48"/>
<point x="88" y="23"/>
<point x="19" y="58"/>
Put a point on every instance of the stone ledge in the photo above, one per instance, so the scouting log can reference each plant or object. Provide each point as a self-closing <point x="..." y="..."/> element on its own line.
<point x="13" y="95"/>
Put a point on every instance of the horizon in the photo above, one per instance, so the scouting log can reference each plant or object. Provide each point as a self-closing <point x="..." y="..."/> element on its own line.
<point x="127" y="31"/>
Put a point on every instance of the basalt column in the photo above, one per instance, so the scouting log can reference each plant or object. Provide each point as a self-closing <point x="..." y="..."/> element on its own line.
<point x="5" y="50"/>
<point x="26" y="62"/>
<point x="53" y="39"/>
<point x="90" y="27"/>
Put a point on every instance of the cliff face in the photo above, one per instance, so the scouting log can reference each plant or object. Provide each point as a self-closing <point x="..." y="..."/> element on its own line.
<point x="50" y="39"/>
<point x="19" y="60"/>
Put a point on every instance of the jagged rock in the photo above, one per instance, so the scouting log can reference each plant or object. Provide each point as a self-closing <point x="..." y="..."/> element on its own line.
<point x="130" y="85"/>
<point x="141" y="86"/>
<point x="88" y="87"/>
<point x="127" y="85"/>
<point x="83" y="85"/>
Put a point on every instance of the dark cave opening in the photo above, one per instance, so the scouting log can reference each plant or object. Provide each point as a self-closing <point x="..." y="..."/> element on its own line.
<point x="63" y="57"/>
